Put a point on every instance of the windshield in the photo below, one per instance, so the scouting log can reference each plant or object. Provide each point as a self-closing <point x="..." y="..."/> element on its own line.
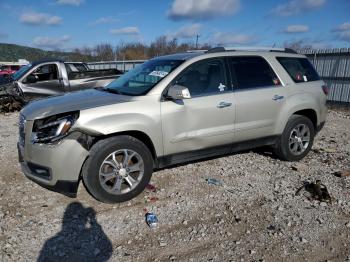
<point x="23" y="70"/>
<point x="143" y="78"/>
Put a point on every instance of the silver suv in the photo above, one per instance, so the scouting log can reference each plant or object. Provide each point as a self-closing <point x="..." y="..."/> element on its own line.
<point x="170" y="110"/>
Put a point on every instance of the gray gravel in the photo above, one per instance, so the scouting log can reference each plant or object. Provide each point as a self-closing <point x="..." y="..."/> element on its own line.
<point x="254" y="216"/>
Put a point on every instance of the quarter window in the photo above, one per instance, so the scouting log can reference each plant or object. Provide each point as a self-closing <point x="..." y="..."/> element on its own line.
<point x="204" y="78"/>
<point x="252" y="72"/>
<point x="299" y="69"/>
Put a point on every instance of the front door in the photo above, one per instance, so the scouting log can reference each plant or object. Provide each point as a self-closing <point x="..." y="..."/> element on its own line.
<point x="47" y="81"/>
<point x="207" y="118"/>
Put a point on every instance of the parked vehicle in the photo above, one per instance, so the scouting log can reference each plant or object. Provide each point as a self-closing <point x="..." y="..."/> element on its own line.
<point x="54" y="77"/>
<point x="7" y="70"/>
<point x="170" y="110"/>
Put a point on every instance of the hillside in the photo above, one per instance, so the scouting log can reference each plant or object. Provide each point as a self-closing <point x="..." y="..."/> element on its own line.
<point x="12" y="52"/>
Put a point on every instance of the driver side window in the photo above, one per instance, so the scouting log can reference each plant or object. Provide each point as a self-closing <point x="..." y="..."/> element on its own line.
<point x="205" y="77"/>
<point x="46" y="73"/>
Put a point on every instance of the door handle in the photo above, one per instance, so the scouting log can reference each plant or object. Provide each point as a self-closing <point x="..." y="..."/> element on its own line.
<point x="277" y="97"/>
<point x="224" y="104"/>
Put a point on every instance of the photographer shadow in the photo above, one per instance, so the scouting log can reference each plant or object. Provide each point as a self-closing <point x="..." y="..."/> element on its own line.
<point x="81" y="238"/>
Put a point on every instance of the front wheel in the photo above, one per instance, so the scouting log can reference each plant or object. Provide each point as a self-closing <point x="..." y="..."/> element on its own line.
<point x="296" y="139"/>
<point x="118" y="169"/>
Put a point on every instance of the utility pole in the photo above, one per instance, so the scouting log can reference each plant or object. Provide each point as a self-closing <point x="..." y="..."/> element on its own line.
<point x="197" y="37"/>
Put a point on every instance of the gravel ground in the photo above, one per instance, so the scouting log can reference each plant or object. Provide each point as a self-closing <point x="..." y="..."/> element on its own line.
<point x="255" y="216"/>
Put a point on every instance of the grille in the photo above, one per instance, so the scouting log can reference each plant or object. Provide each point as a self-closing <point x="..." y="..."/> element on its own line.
<point x="21" y="125"/>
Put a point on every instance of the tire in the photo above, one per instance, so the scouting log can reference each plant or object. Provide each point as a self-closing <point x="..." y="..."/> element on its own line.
<point x="292" y="146"/>
<point x="105" y="174"/>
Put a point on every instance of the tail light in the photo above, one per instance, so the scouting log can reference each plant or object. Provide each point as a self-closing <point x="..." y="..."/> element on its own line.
<point x="325" y="89"/>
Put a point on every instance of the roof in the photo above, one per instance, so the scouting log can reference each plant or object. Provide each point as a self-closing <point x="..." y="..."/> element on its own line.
<point x="250" y="49"/>
<point x="193" y="53"/>
<point x="180" y="56"/>
<point x="46" y="61"/>
<point x="70" y="62"/>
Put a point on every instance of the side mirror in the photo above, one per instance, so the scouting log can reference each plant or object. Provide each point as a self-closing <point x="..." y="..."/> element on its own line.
<point x="178" y="92"/>
<point x="31" y="79"/>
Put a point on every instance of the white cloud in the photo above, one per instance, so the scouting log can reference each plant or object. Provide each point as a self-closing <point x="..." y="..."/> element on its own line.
<point x="70" y="2"/>
<point x="233" y="39"/>
<point x="345" y="36"/>
<point x="342" y="31"/>
<point x="342" y="27"/>
<point x="294" y="7"/>
<point x="291" y="29"/>
<point x="104" y="20"/>
<point x="33" y="18"/>
<point x="187" y="31"/>
<point x="131" y="30"/>
<point x="203" y="9"/>
<point x="51" y="42"/>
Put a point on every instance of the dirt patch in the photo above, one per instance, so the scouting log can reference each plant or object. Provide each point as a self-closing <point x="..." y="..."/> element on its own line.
<point x="254" y="215"/>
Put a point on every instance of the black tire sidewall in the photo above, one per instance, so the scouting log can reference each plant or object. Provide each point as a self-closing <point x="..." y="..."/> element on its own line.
<point x="284" y="146"/>
<point x="99" y="152"/>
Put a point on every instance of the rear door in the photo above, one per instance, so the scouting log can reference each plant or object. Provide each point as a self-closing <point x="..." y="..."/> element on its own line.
<point x="258" y="95"/>
<point x="207" y="118"/>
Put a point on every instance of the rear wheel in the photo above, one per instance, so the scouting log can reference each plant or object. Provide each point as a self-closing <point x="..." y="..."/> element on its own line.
<point x="118" y="169"/>
<point x="296" y="139"/>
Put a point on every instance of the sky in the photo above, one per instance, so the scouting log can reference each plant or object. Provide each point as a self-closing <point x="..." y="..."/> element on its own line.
<point x="69" y="24"/>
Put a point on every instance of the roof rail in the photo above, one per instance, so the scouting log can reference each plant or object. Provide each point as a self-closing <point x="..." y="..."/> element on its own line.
<point x="250" y="49"/>
<point x="197" y="51"/>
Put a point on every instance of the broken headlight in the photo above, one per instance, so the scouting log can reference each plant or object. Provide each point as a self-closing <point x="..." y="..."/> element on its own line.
<point x="53" y="128"/>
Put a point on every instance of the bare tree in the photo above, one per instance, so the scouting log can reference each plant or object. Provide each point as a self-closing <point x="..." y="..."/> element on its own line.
<point x="297" y="45"/>
<point x="104" y="52"/>
<point x="134" y="51"/>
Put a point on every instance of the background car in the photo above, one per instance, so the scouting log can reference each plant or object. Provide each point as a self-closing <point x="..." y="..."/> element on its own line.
<point x="7" y="70"/>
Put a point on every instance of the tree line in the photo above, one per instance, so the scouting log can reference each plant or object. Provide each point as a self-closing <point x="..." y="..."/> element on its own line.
<point x="135" y="51"/>
<point x="108" y="52"/>
<point x="160" y="46"/>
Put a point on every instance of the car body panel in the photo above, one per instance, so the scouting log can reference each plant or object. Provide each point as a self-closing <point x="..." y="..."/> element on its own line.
<point x="65" y="157"/>
<point x="123" y="117"/>
<point x="72" y="101"/>
<point x="197" y="123"/>
<point x="257" y="111"/>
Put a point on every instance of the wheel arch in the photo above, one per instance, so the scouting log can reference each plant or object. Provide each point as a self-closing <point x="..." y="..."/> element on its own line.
<point x="309" y="113"/>
<point x="143" y="137"/>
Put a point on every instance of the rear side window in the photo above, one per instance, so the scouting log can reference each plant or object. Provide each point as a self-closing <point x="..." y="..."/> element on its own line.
<point x="299" y="69"/>
<point x="252" y="72"/>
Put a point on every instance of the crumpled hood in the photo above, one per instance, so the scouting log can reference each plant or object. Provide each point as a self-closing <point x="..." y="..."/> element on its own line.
<point x="71" y="102"/>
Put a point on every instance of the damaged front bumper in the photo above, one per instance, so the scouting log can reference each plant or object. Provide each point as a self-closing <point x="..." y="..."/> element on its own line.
<point x="56" y="166"/>
<point x="11" y="98"/>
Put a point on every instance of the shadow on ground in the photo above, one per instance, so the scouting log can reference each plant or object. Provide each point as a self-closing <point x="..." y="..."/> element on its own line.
<point x="81" y="238"/>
